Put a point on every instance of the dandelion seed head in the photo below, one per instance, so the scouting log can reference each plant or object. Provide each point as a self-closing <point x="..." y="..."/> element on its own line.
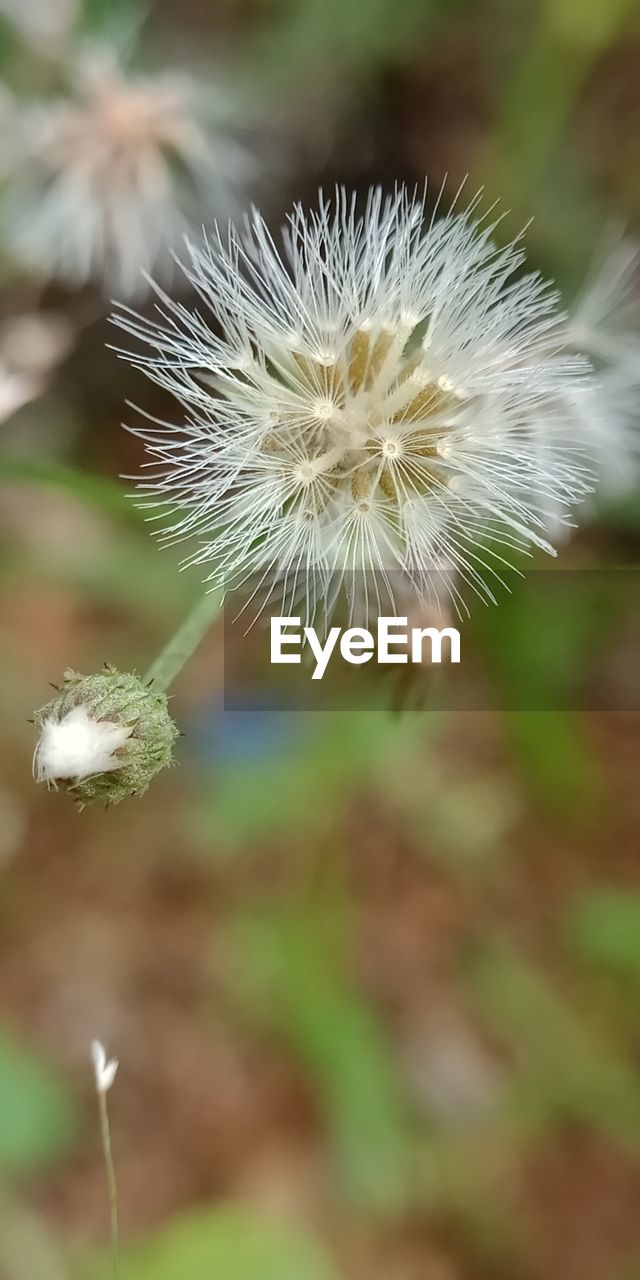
<point x="389" y="419"/>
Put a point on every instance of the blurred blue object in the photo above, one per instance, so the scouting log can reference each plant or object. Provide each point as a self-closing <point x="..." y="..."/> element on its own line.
<point x="245" y="734"/>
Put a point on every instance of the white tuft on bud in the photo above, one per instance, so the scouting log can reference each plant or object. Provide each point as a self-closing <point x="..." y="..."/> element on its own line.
<point x="105" y="1069"/>
<point x="78" y="746"/>
<point x="104" y="737"/>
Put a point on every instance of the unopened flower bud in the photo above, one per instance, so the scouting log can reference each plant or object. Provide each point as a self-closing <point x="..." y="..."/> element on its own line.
<point x="104" y="737"/>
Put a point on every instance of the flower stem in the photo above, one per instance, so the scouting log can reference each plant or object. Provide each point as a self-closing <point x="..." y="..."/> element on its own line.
<point x="171" y="660"/>
<point x="111" y="1182"/>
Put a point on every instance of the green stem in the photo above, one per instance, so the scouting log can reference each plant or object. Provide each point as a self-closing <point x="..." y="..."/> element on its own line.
<point x="111" y="1182"/>
<point x="171" y="660"/>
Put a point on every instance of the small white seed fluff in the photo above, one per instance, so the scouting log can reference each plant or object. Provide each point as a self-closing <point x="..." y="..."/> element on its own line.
<point x="105" y="1070"/>
<point x="78" y="746"/>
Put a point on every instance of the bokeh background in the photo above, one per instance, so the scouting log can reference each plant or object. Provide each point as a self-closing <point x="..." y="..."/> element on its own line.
<point x="373" y="979"/>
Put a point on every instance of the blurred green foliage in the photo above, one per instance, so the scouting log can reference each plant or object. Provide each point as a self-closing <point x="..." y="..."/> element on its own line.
<point x="528" y="156"/>
<point x="37" y="1112"/>
<point x="232" y="1243"/>
<point x="99" y="492"/>
<point x="300" y="793"/>
<point x="290" y="968"/>
<point x="602" y="928"/>
<point x="344" y="39"/>
<point x="565" y="1070"/>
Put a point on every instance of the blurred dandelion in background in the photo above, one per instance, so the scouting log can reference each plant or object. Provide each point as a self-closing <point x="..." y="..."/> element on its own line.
<point x="31" y="347"/>
<point x="114" y="173"/>
<point x="373" y="406"/>
<point x="605" y="323"/>
<point x="46" y="24"/>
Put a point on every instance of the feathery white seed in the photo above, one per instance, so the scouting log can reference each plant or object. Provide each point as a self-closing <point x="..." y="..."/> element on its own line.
<point x="104" y="1069"/>
<point x="78" y="746"/>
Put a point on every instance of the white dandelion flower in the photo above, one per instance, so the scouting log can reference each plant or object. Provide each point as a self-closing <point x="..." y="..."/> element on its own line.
<point x="112" y="176"/>
<point x="374" y="403"/>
